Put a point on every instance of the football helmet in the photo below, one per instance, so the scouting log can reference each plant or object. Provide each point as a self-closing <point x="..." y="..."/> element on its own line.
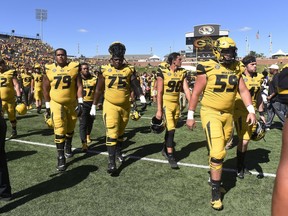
<point x="135" y="115"/>
<point x="225" y="50"/>
<point x="258" y="131"/>
<point x="157" y="126"/>
<point x="48" y="120"/>
<point x="21" y="109"/>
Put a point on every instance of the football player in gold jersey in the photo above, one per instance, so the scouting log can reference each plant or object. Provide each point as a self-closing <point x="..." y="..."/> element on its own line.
<point x="118" y="79"/>
<point x="171" y="80"/>
<point x="86" y="120"/>
<point x="27" y="87"/>
<point x="37" y="87"/>
<point x="219" y="80"/>
<point x="62" y="86"/>
<point x="253" y="82"/>
<point x="9" y="84"/>
<point x="280" y="191"/>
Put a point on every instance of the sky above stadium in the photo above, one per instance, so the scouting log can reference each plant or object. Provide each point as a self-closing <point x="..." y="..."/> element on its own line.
<point x="88" y="27"/>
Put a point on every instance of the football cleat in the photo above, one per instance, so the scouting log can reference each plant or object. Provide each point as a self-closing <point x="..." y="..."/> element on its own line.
<point x="21" y="109"/>
<point x="88" y="139"/>
<point x="13" y="134"/>
<point x="157" y="126"/>
<point x="68" y="151"/>
<point x="170" y="158"/>
<point x="84" y="147"/>
<point x="61" y="164"/>
<point x="216" y="202"/>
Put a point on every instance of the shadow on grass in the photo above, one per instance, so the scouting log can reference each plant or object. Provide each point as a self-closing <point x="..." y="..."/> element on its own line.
<point x="14" y="155"/>
<point x="63" y="181"/>
<point x="185" y="151"/>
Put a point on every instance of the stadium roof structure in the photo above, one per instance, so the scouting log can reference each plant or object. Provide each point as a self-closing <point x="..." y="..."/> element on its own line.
<point x="279" y="53"/>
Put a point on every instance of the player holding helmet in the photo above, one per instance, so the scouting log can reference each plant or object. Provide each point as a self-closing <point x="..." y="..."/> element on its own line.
<point x="219" y="80"/>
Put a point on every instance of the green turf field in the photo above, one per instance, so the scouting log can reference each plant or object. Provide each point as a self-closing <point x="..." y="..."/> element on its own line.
<point x="146" y="184"/>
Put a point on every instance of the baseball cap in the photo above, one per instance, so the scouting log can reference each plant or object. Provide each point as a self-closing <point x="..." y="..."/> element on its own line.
<point x="274" y="66"/>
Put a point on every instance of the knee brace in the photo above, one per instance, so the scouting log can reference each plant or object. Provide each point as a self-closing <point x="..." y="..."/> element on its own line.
<point x="59" y="138"/>
<point x="111" y="141"/>
<point x="215" y="164"/>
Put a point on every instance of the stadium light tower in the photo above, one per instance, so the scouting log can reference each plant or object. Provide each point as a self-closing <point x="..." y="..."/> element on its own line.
<point x="41" y="15"/>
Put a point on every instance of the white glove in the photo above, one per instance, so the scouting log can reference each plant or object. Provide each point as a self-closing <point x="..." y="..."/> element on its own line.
<point x="93" y="110"/>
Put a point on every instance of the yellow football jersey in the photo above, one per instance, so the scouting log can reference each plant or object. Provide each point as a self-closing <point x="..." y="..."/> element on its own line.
<point x="117" y="83"/>
<point x="38" y="79"/>
<point x="7" y="86"/>
<point x="62" y="82"/>
<point x="254" y="86"/>
<point x="26" y="79"/>
<point x="89" y="88"/>
<point x="172" y="81"/>
<point x="222" y="84"/>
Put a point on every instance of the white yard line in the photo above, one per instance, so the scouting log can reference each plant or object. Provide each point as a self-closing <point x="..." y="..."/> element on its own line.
<point x="140" y="158"/>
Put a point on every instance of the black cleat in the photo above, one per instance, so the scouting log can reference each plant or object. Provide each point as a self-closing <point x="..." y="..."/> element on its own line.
<point x="119" y="155"/>
<point x="68" y="152"/>
<point x="61" y="164"/>
<point x="216" y="202"/>
<point x="112" y="169"/>
<point x="170" y="159"/>
<point x="13" y="134"/>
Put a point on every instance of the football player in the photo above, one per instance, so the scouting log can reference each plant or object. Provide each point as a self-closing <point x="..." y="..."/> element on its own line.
<point x="253" y="82"/>
<point x="62" y="87"/>
<point x="9" y="84"/>
<point x="27" y="87"/>
<point x="86" y="120"/>
<point x="37" y="87"/>
<point x="280" y="191"/>
<point x="219" y="79"/>
<point x="171" y="80"/>
<point x="117" y="79"/>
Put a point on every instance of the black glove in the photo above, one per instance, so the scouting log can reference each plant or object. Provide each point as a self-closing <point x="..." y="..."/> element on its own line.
<point x="48" y="113"/>
<point x="79" y="109"/>
<point x="18" y="100"/>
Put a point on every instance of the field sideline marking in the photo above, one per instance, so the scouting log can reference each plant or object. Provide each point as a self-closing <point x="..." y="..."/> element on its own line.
<point x="140" y="158"/>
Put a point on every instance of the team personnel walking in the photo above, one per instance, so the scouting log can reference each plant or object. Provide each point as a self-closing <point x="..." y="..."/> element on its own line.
<point x="9" y="86"/>
<point x="86" y="120"/>
<point x="219" y="80"/>
<point x="62" y="87"/>
<point x="253" y="82"/>
<point x="118" y="79"/>
<point x="171" y="80"/>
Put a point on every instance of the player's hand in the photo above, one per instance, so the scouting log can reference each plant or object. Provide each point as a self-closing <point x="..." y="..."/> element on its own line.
<point x="191" y="124"/>
<point x="251" y="119"/>
<point x="79" y="109"/>
<point x="18" y="100"/>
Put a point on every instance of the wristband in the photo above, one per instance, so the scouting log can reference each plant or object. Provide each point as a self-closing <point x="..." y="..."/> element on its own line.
<point x="250" y="109"/>
<point x="142" y="99"/>
<point x="261" y="113"/>
<point x="80" y="100"/>
<point x="47" y="105"/>
<point x="190" y="115"/>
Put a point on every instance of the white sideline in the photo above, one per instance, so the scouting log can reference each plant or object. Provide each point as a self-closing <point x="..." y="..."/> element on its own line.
<point x="140" y="158"/>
